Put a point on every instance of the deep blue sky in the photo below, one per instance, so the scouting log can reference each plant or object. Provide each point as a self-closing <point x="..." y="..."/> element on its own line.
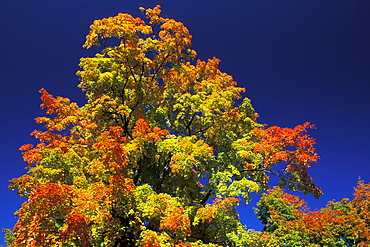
<point x="299" y="60"/>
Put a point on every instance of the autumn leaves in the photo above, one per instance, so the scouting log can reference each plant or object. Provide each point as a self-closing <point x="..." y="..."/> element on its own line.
<point x="160" y="155"/>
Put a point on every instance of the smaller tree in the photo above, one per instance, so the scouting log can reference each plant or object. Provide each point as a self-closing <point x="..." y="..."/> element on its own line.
<point x="289" y="222"/>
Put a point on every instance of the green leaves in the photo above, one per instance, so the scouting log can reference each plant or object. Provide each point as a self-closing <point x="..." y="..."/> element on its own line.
<point x="160" y="155"/>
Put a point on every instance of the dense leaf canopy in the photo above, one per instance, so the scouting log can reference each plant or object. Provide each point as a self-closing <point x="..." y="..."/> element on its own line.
<point x="289" y="222"/>
<point x="161" y="154"/>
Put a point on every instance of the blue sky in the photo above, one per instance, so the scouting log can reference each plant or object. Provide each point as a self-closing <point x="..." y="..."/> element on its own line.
<point x="299" y="60"/>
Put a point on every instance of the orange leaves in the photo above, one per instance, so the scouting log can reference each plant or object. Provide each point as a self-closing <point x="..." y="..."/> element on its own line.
<point x="219" y="209"/>
<point x="159" y="137"/>
<point x="276" y="142"/>
<point x="67" y="113"/>
<point x="51" y="196"/>
<point x="143" y="131"/>
<point x="154" y="239"/>
<point x="39" y="217"/>
<point x="54" y="140"/>
<point x="175" y="34"/>
<point x="26" y="147"/>
<point x="203" y="78"/>
<point x="77" y="230"/>
<point x="362" y="194"/>
<point x="50" y="102"/>
<point x="153" y="14"/>
<point x="111" y="144"/>
<point x="31" y="155"/>
<point x="284" y="152"/>
<point x="340" y="223"/>
<point x="294" y="201"/>
<point x="128" y="30"/>
<point x="176" y="221"/>
<point x="55" y="105"/>
<point x="289" y="145"/>
<point x="121" y="186"/>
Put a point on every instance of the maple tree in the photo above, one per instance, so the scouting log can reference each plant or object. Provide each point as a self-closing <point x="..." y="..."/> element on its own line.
<point x="289" y="222"/>
<point x="160" y="155"/>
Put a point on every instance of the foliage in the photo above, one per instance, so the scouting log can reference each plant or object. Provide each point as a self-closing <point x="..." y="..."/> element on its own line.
<point x="9" y="236"/>
<point x="160" y="155"/>
<point x="289" y="222"/>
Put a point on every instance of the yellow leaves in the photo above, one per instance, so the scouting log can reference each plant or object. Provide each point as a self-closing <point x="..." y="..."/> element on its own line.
<point x="156" y="205"/>
<point x="23" y="184"/>
<point x="219" y="209"/>
<point x="159" y="138"/>
<point x="168" y="210"/>
<point x="106" y="77"/>
<point x="227" y="185"/>
<point x="205" y="214"/>
<point x="154" y="239"/>
<point x="188" y="154"/>
<point x="243" y="187"/>
<point x="122" y="26"/>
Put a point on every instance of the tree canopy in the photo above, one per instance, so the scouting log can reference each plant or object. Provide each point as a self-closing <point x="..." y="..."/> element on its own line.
<point x="289" y="222"/>
<point x="161" y="154"/>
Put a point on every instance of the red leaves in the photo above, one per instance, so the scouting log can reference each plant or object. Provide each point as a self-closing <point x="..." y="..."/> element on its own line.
<point x="292" y="146"/>
<point x="49" y="102"/>
<point x="51" y="198"/>
<point x="276" y="143"/>
<point x="110" y="174"/>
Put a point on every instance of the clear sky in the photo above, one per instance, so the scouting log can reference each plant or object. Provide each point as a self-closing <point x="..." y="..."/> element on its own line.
<point x="299" y="60"/>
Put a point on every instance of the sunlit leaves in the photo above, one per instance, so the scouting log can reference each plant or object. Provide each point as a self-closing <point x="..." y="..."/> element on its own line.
<point x="41" y="217"/>
<point x="264" y="149"/>
<point x="161" y="154"/>
<point x="77" y="230"/>
<point x="290" y="223"/>
<point x="121" y="26"/>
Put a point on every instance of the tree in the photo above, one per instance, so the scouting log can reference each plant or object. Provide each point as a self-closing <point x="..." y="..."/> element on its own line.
<point x="160" y="155"/>
<point x="289" y="222"/>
